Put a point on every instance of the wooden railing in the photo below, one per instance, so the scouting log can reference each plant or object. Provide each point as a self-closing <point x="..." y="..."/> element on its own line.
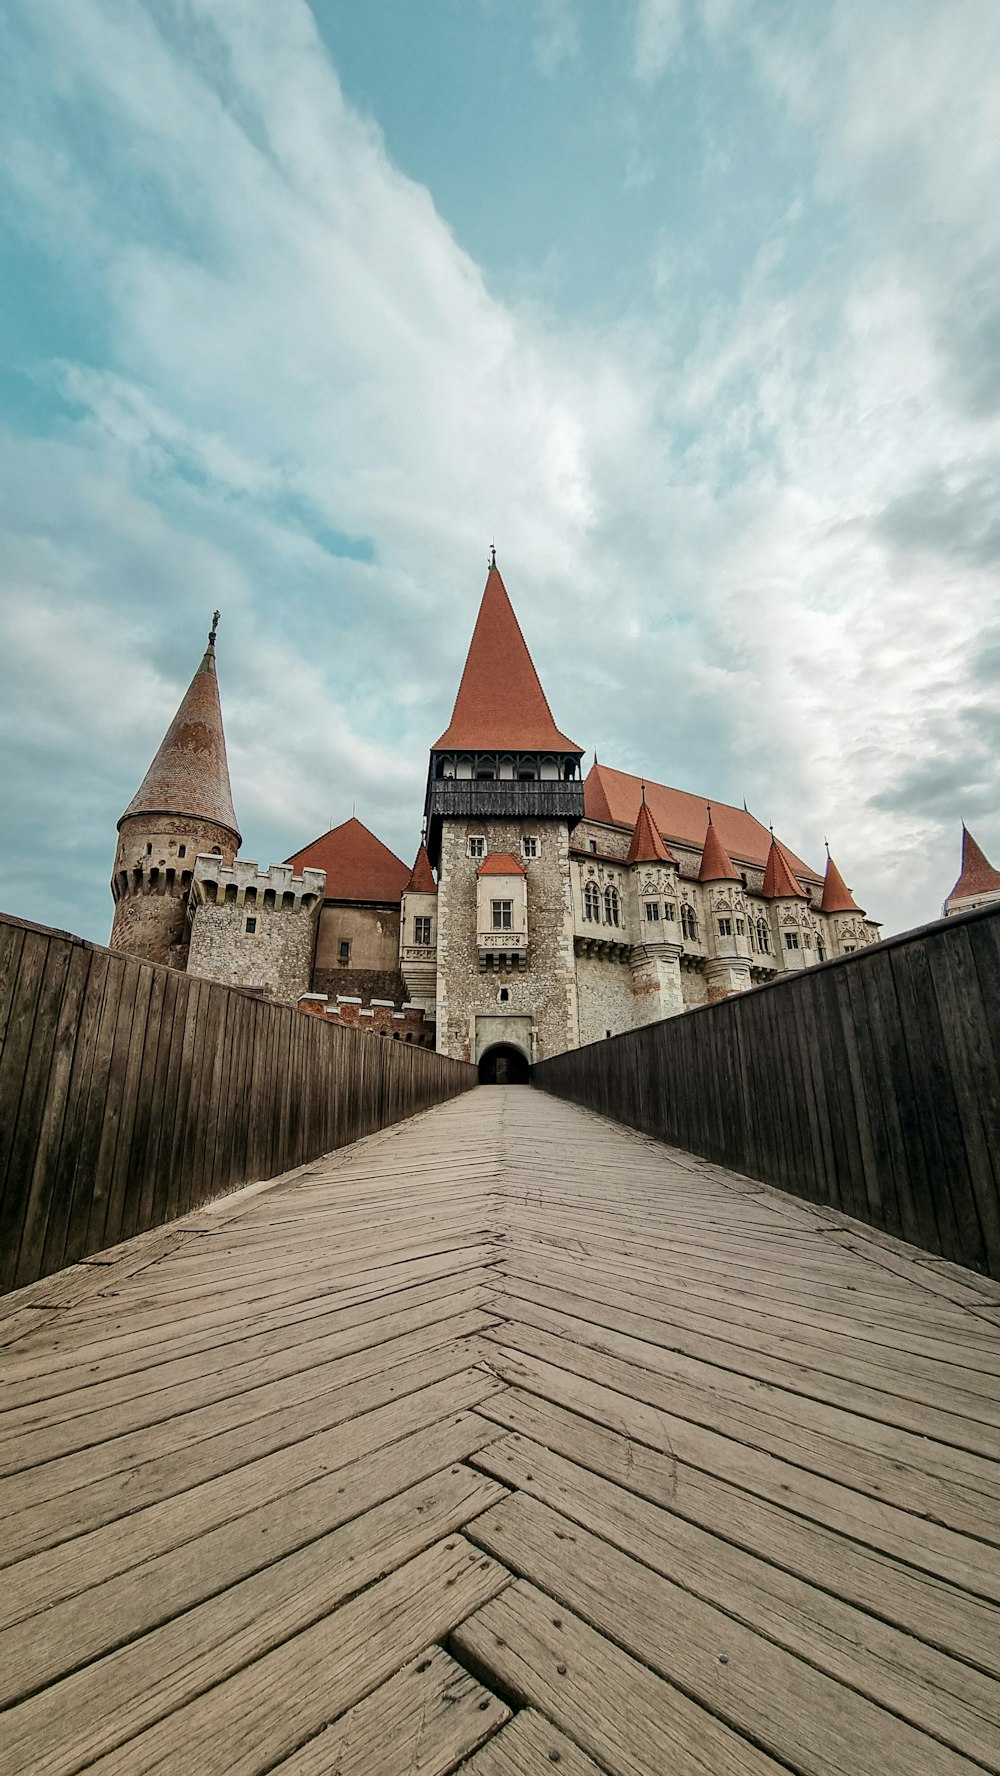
<point x="130" y="1094"/>
<point x="870" y="1083"/>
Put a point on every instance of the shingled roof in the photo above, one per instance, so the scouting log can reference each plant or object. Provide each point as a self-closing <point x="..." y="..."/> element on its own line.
<point x="501" y="863"/>
<point x="614" y="799"/>
<point x="716" y="863"/>
<point x="978" y="875"/>
<point x="421" y="875"/>
<point x="779" y="882"/>
<point x="190" y="773"/>
<point x="358" y="866"/>
<point x="500" y="704"/>
<point x="837" y="897"/>
<point x="647" y="845"/>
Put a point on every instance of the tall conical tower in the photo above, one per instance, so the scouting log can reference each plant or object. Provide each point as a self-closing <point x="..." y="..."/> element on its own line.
<point x="183" y="806"/>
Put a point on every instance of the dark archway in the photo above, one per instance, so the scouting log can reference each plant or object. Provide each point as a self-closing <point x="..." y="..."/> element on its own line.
<point x="504" y="1065"/>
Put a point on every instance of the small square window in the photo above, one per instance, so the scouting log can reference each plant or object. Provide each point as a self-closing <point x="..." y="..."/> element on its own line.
<point x="653" y="912"/>
<point x="529" y="847"/>
<point x="504" y="995"/>
<point x="791" y="940"/>
<point x="344" y="951"/>
<point x="503" y="911"/>
<point x="251" y="926"/>
<point x="477" y="847"/>
<point x="725" y="927"/>
<point x="422" y="931"/>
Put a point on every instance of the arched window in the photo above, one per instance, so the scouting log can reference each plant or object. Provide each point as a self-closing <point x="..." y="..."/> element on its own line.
<point x="591" y="902"/>
<point x="689" y="923"/>
<point x="763" y="940"/>
<point x="612" y="907"/>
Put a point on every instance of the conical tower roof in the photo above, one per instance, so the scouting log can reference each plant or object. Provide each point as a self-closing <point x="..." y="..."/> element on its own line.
<point x="837" y="897"/>
<point x="978" y="875"/>
<point x="716" y="863"/>
<point x="421" y="876"/>
<point x="500" y="704"/>
<point x="779" y="883"/>
<point x="190" y="773"/>
<point x="647" y="846"/>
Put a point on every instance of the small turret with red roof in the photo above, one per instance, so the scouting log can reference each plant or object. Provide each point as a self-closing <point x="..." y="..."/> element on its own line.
<point x="716" y="863"/>
<point x="978" y="884"/>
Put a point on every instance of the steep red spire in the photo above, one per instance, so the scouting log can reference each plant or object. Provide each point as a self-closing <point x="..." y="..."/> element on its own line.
<point x="837" y="897"/>
<point x="779" y="883"/>
<point x="716" y="863"/>
<point x="421" y="876"/>
<point x="647" y="846"/>
<point x="190" y="773"/>
<point x="978" y="875"/>
<point x="500" y="703"/>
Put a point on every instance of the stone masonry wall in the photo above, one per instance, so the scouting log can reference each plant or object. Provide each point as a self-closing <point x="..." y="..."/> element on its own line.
<point x="547" y="987"/>
<point x="605" y="995"/>
<point x="255" y="928"/>
<point x="154" y="863"/>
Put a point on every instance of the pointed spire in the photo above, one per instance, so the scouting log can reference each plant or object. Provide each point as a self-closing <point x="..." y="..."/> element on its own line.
<point x="716" y="863"/>
<point x="837" y="897"/>
<point x="500" y="703"/>
<point x="421" y="876"/>
<point x="190" y="773"/>
<point x="779" y="883"/>
<point x="978" y="875"/>
<point x="647" y="846"/>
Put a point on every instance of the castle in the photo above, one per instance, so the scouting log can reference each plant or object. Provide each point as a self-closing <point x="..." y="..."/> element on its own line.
<point x="543" y="910"/>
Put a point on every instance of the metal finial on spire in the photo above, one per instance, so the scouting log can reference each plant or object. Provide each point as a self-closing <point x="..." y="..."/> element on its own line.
<point x="644" y="795"/>
<point x="709" y="807"/>
<point x="493" y="554"/>
<point x="827" y="844"/>
<point x="213" y="632"/>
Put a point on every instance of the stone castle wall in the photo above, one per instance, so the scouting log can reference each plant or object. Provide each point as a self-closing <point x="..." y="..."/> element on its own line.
<point x="154" y="866"/>
<point x="255" y="928"/>
<point x="606" y="1001"/>
<point x="547" y="986"/>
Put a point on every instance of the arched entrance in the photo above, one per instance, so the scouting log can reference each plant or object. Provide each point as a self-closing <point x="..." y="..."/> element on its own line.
<point x="503" y="1065"/>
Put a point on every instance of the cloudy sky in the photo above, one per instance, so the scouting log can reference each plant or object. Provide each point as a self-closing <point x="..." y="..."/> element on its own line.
<point x="695" y="307"/>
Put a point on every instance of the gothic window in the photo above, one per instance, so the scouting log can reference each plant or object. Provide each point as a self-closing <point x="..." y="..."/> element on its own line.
<point x="591" y="901"/>
<point x="689" y="923"/>
<point x="612" y="907"/>
<point x="422" y="931"/>
<point x="653" y="912"/>
<point x="752" y="935"/>
<point x="477" y="847"/>
<point x="763" y="938"/>
<point x="725" y="927"/>
<point x="791" y="940"/>
<point x="529" y="847"/>
<point x="503" y="915"/>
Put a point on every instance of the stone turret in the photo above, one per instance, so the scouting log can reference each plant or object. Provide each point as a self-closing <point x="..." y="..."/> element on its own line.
<point x="183" y="806"/>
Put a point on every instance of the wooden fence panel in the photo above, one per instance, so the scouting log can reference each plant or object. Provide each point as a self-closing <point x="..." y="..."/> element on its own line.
<point x="870" y="1084"/>
<point x="130" y="1094"/>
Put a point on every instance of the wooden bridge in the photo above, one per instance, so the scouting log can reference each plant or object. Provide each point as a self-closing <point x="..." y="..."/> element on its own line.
<point x="502" y="1440"/>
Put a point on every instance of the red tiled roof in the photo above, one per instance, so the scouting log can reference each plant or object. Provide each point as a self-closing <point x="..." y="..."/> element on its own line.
<point x="978" y="875"/>
<point x="190" y="773"/>
<point x="500" y="703"/>
<point x="779" y="883"/>
<point x="647" y="845"/>
<point x="358" y="866"/>
<point x="615" y="797"/>
<point x="421" y="875"/>
<point x="837" y="897"/>
<point x="716" y="863"/>
<point x="501" y="863"/>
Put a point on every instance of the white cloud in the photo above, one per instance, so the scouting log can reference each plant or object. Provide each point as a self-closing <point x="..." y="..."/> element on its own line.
<point x="659" y="26"/>
<point x="714" y="554"/>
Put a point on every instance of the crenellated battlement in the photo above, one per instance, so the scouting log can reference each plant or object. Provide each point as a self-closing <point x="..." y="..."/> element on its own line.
<point x="246" y="885"/>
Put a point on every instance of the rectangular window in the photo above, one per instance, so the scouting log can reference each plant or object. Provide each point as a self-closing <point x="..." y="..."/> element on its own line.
<point x="251" y="927"/>
<point x="529" y="847"/>
<point x="592" y="846"/>
<point x="477" y="847"/>
<point x="344" y="951"/>
<point x="821" y="949"/>
<point x="741" y="928"/>
<point x="182" y="850"/>
<point x="670" y="912"/>
<point x="791" y="940"/>
<point x="653" y="911"/>
<point x="809" y="940"/>
<point x="503" y="915"/>
<point x="848" y="949"/>
<point x="422" y="931"/>
<point x="725" y="927"/>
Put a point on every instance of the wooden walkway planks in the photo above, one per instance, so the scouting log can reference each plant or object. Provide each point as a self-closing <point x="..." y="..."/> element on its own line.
<point x="505" y="1438"/>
